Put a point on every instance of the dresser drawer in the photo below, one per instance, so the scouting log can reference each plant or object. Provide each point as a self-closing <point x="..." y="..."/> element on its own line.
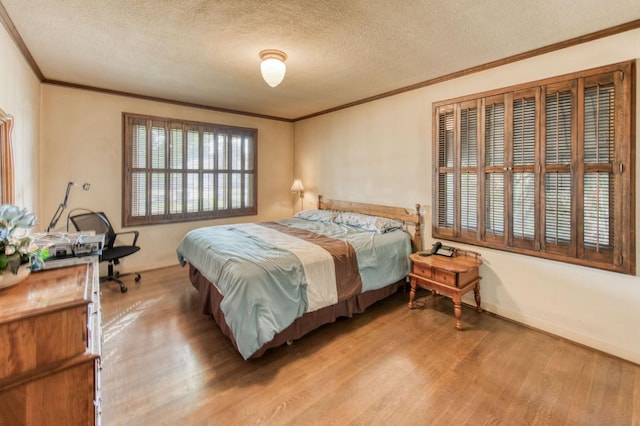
<point x="33" y="342"/>
<point x="65" y="395"/>
<point x="422" y="270"/>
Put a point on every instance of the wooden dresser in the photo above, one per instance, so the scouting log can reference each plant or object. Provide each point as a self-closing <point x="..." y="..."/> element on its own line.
<point x="50" y="347"/>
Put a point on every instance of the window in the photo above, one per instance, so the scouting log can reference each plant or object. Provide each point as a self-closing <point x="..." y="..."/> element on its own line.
<point x="544" y="169"/>
<point x="180" y="170"/>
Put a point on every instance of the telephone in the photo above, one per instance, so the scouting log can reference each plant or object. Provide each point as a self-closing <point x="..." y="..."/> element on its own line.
<point x="438" y="248"/>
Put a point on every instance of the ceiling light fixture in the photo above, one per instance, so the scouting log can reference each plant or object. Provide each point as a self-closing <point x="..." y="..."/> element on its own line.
<point x="272" y="66"/>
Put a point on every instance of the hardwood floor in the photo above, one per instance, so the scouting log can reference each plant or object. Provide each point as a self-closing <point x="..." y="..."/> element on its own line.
<point x="164" y="363"/>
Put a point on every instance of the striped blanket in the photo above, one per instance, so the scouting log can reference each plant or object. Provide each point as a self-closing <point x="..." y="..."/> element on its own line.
<point x="271" y="273"/>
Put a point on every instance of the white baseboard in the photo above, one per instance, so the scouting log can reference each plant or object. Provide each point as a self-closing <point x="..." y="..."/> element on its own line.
<point x="556" y="329"/>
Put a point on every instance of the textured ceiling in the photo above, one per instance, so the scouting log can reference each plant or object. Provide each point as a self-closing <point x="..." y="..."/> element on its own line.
<point x="339" y="51"/>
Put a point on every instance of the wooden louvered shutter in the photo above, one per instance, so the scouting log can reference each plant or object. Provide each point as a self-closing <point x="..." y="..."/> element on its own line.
<point x="522" y="182"/>
<point x="222" y="171"/>
<point x="444" y="151"/>
<point x="598" y="158"/>
<point x="158" y="177"/>
<point x="248" y="170"/>
<point x="208" y="174"/>
<point x="176" y="147"/>
<point x="139" y="168"/>
<point x="468" y="176"/>
<point x="559" y="139"/>
<point x="494" y="170"/>
<point x="193" y="163"/>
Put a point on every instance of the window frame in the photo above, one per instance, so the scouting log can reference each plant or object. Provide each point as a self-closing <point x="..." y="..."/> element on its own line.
<point x="248" y="171"/>
<point x="7" y="187"/>
<point x="619" y="255"/>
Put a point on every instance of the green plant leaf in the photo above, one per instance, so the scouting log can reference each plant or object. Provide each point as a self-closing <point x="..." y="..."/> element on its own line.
<point x="10" y="263"/>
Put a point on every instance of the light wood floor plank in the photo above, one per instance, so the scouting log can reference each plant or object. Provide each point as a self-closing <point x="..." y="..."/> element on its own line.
<point x="164" y="363"/>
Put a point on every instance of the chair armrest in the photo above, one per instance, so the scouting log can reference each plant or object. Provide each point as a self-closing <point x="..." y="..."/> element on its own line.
<point x="135" y="235"/>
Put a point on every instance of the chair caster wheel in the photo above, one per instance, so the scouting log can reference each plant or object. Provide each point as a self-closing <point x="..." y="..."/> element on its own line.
<point x="123" y="289"/>
<point x="137" y="277"/>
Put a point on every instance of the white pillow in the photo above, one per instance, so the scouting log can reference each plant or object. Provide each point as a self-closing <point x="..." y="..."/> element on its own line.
<point x="369" y="223"/>
<point x="317" y="215"/>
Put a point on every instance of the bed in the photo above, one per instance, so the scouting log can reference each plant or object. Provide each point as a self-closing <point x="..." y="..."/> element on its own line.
<point x="268" y="283"/>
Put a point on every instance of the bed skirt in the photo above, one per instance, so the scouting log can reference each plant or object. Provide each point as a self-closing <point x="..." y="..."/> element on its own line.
<point x="211" y="298"/>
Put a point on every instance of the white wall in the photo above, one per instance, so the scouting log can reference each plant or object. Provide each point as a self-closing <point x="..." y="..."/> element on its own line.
<point x="380" y="152"/>
<point x="82" y="142"/>
<point x="20" y="98"/>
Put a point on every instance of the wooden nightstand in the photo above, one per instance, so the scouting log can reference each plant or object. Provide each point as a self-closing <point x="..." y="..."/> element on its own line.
<point x="450" y="276"/>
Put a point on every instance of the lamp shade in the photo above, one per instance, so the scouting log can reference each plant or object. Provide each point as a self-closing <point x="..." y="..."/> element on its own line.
<point x="273" y="67"/>
<point x="297" y="186"/>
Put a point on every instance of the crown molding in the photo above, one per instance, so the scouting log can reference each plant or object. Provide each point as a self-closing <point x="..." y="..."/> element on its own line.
<point x="17" y="39"/>
<point x="489" y="65"/>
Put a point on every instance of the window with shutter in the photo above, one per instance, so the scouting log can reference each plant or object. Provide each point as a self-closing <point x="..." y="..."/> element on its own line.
<point x="178" y="170"/>
<point x="557" y="167"/>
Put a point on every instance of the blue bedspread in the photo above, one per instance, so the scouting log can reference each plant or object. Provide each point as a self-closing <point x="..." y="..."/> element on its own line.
<point x="264" y="286"/>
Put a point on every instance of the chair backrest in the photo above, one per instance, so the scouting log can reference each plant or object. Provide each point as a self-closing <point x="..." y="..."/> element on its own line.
<point x="95" y="221"/>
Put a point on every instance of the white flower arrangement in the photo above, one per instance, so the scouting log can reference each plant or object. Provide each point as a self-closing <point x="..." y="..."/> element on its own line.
<point x="16" y="244"/>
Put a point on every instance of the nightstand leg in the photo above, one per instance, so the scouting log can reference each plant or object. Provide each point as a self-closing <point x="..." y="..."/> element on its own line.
<point x="457" y="310"/>
<point x="412" y="292"/>
<point x="476" y="294"/>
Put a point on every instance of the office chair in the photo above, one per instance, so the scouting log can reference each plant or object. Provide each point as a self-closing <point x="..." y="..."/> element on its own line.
<point x="111" y="253"/>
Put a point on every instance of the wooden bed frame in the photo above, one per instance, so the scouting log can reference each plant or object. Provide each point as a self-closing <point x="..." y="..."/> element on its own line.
<point x="310" y="321"/>
<point x="407" y="216"/>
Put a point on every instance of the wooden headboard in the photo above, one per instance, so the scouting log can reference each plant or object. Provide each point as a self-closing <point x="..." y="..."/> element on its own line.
<point x="400" y="213"/>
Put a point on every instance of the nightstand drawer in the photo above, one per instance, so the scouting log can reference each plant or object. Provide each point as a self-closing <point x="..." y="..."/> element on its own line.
<point x="422" y="270"/>
<point x="445" y="277"/>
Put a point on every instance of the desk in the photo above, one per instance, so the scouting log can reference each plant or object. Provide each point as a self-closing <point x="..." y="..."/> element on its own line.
<point x="450" y="276"/>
